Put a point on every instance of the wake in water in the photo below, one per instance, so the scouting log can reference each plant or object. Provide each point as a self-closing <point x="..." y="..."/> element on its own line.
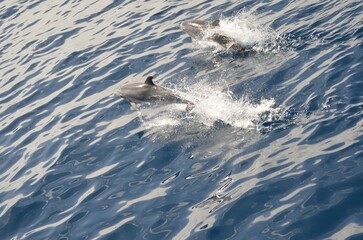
<point x="245" y="30"/>
<point x="213" y="104"/>
<point x="213" y="107"/>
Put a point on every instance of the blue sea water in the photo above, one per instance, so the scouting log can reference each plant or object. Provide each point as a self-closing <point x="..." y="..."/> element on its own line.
<point x="272" y="150"/>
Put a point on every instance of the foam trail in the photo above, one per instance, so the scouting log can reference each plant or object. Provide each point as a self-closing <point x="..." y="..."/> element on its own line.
<point x="216" y="105"/>
<point x="247" y="32"/>
<point x="211" y="105"/>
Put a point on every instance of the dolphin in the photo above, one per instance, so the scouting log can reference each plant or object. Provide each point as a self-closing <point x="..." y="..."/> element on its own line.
<point x="211" y="31"/>
<point x="149" y="92"/>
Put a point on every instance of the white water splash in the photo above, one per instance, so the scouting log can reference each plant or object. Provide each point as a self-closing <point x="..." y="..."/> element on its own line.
<point x="245" y="29"/>
<point x="214" y="104"/>
<point x="211" y="105"/>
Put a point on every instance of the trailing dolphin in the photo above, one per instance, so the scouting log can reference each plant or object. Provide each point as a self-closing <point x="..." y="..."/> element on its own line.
<point x="149" y="92"/>
<point x="211" y="31"/>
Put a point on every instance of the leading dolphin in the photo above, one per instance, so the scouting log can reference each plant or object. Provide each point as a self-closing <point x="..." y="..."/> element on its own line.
<point x="211" y="31"/>
<point x="149" y="92"/>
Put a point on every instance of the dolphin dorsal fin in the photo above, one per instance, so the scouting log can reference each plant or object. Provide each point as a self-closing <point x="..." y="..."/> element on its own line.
<point x="215" y="23"/>
<point x="149" y="80"/>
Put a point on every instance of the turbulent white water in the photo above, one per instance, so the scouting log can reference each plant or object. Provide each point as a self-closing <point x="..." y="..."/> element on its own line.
<point x="248" y="32"/>
<point x="212" y="104"/>
<point x="245" y="29"/>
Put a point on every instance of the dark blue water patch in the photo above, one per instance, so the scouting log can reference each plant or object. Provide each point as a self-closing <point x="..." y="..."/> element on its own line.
<point x="6" y="162"/>
<point x="9" y="12"/>
<point x="77" y="217"/>
<point x="73" y="113"/>
<point x="105" y="113"/>
<point x="130" y="16"/>
<point x="148" y="62"/>
<point x="55" y="41"/>
<point x="278" y="6"/>
<point x="355" y="236"/>
<point x="4" y="48"/>
<point x="338" y="36"/>
<point x="108" y="114"/>
<point x="72" y="190"/>
<point x="7" y="95"/>
<point x="20" y="216"/>
<point x="127" y="231"/>
<point x="112" y="43"/>
<point x="63" y="158"/>
<point x="109" y="7"/>
<point x="277" y="152"/>
<point x="32" y="66"/>
<point x="358" y="34"/>
<point x="64" y="3"/>
<point x="19" y="127"/>
<point x="355" y="86"/>
<point x="84" y="153"/>
<point x="65" y="14"/>
<point x="214" y="11"/>
<point x="95" y="194"/>
<point x="35" y="4"/>
<point x="198" y="7"/>
<point x="157" y="232"/>
<point x="313" y="105"/>
<point x="44" y="153"/>
<point x="73" y="59"/>
<point x="245" y="164"/>
<point x="120" y="72"/>
<point x="17" y="88"/>
<point x="13" y="126"/>
<point x="5" y="66"/>
<point x="329" y="128"/>
<point x="9" y="27"/>
<point x="271" y="170"/>
<point x="52" y="177"/>
<point x="278" y="78"/>
<point x="161" y="14"/>
<point x="332" y="202"/>
<point x="343" y="61"/>
<point x="310" y="10"/>
<point x="237" y="8"/>
<point x="253" y="202"/>
<point x="161" y="158"/>
<point x="31" y="137"/>
<point x="158" y="223"/>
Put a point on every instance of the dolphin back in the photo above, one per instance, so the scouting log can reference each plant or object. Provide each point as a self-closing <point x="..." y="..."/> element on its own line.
<point x="211" y="31"/>
<point x="149" y="92"/>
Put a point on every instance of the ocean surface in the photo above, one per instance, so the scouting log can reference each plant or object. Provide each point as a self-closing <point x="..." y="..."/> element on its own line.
<point x="272" y="150"/>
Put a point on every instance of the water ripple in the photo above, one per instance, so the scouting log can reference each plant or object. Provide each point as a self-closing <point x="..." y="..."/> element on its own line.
<point x="271" y="150"/>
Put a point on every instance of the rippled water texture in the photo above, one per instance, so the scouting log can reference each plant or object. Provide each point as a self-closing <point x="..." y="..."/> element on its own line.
<point x="272" y="150"/>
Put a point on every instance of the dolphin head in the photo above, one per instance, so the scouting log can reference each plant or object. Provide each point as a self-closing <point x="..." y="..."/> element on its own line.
<point x="196" y="28"/>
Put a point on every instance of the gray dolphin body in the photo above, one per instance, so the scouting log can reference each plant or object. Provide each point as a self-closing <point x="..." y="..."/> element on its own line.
<point x="149" y="92"/>
<point x="210" y="31"/>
